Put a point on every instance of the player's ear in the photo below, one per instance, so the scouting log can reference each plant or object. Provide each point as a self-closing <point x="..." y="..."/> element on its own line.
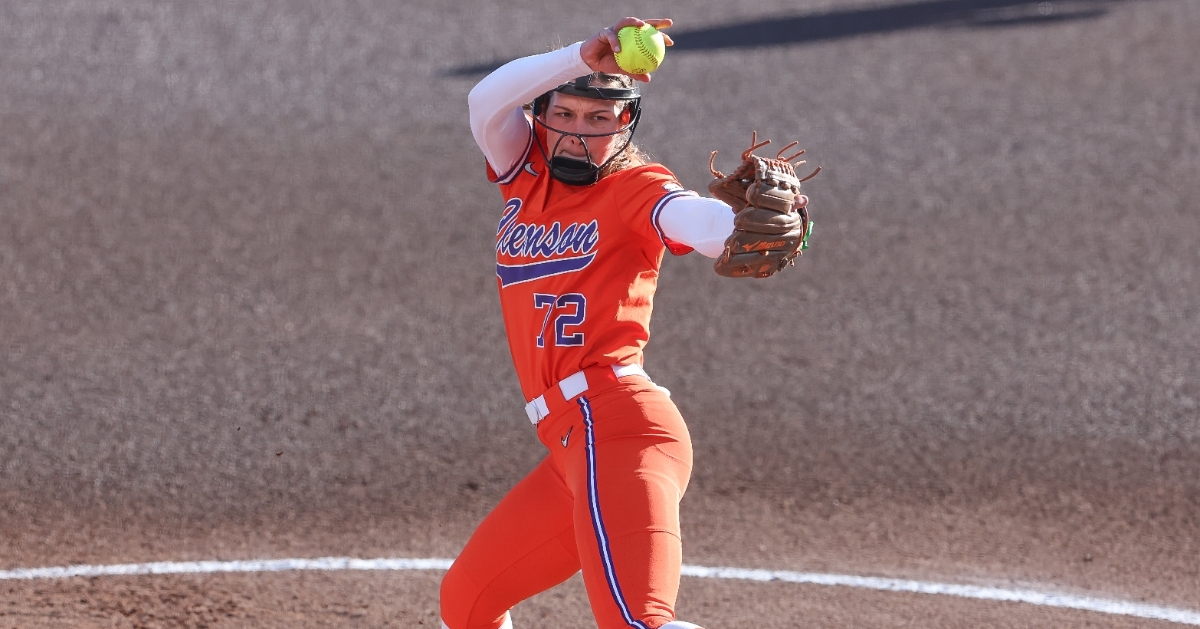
<point x="541" y="104"/>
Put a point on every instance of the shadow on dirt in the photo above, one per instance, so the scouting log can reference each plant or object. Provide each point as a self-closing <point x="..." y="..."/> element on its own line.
<point x="815" y="27"/>
<point x="780" y="31"/>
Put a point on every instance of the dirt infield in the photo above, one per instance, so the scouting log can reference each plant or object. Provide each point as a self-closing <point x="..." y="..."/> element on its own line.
<point x="247" y="306"/>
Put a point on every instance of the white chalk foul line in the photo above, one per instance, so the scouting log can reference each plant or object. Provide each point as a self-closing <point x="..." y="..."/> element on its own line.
<point x="1031" y="597"/>
<point x="204" y="567"/>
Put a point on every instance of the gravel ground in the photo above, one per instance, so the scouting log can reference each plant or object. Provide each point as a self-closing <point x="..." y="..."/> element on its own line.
<point x="247" y="306"/>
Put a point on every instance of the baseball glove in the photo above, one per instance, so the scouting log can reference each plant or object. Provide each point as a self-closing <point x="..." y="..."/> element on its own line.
<point x="769" y="230"/>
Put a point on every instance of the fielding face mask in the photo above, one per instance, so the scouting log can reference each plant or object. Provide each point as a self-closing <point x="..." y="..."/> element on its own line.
<point x="585" y="172"/>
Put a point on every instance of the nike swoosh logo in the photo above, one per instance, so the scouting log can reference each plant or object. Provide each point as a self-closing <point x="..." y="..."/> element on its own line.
<point x="567" y="436"/>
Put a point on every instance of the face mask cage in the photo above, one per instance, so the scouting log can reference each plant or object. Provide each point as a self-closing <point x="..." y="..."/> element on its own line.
<point x="585" y="172"/>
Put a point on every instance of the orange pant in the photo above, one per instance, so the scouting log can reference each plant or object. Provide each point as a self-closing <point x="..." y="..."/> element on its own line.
<point x="606" y="501"/>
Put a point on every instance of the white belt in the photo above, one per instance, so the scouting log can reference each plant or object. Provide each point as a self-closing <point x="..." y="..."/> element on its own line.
<point x="576" y="384"/>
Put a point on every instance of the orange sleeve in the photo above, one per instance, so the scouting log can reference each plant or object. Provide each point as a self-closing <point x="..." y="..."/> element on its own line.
<point x="642" y="197"/>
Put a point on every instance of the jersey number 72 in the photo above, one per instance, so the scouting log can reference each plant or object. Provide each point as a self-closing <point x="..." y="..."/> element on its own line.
<point x="571" y="309"/>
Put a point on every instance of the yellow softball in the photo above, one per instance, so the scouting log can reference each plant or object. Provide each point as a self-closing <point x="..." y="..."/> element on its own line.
<point x="642" y="49"/>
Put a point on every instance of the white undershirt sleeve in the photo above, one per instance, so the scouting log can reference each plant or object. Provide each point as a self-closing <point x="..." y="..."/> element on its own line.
<point x="498" y="123"/>
<point x="698" y="222"/>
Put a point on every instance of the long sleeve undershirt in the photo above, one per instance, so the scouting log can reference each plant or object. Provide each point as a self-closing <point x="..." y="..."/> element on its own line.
<point x="502" y="129"/>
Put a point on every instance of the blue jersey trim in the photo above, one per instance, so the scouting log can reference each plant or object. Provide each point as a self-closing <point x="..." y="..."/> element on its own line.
<point x="510" y="274"/>
<point x="658" y="207"/>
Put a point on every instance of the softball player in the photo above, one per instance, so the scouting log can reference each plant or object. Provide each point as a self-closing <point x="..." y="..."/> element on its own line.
<point x="581" y="238"/>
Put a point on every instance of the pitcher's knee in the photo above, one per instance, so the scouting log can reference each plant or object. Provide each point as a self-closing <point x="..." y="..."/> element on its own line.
<point x="507" y="624"/>
<point x="465" y="605"/>
<point x="457" y="596"/>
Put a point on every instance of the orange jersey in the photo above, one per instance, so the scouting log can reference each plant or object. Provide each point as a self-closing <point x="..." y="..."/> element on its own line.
<point x="577" y="267"/>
